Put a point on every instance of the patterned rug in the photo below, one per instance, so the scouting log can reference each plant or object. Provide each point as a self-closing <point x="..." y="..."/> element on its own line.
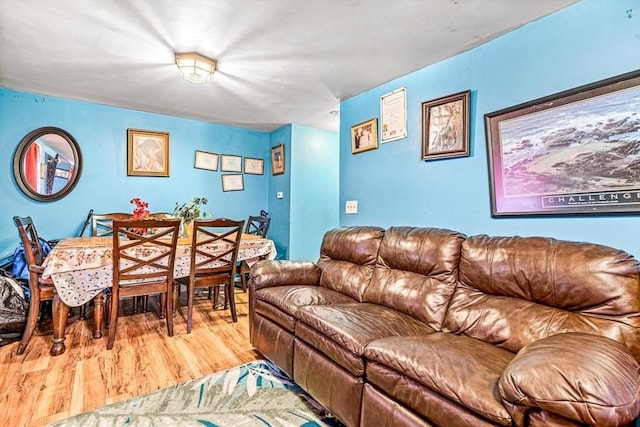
<point x="254" y="394"/>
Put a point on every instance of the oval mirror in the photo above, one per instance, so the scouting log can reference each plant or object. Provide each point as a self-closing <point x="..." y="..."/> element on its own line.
<point x="47" y="164"/>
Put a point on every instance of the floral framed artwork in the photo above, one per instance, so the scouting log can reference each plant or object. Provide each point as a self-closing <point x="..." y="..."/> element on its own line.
<point x="205" y="160"/>
<point x="445" y="127"/>
<point x="575" y="152"/>
<point x="147" y="153"/>
<point x="364" y="136"/>
<point x="253" y="166"/>
<point x="232" y="182"/>
<point x="277" y="160"/>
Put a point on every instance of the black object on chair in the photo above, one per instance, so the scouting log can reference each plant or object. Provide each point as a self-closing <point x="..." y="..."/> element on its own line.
<point x="257" y="225"/>
<point x="142" y="265"/>
<point x="41" y="290"/>
<point x="214" y="255"/>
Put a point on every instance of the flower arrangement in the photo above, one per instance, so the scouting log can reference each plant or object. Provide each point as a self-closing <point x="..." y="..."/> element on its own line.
<point x="140" y="211"/>
<point x="191" y="210"/>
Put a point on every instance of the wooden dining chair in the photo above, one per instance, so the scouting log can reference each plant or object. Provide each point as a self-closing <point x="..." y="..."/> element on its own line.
<point x="40" y="290"/>
<point x="214" y="256"/>
<point x="142" y="265"/>
<point x="256" y="225"/>
<point x="102" y="224"/>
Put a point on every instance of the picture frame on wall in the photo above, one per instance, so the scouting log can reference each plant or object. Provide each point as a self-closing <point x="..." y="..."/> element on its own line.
<point x="364" y="136"/>
<point x="230" y="163"/>
<point x="277" y="160"/>
<point x="393" y="115"/>
<point x="147" y="153"/>
<point x="574" y="152"/>
<point x="206" y="160"/>
<point x="253" y="166"/>
<point x="232" y="182"/>
<point x="445" y="127"/>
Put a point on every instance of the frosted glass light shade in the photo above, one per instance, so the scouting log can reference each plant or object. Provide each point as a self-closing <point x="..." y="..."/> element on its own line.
<point x="194" y="67"/>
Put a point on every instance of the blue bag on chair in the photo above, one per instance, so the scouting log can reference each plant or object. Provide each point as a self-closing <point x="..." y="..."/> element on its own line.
<point x="20" y="268"/>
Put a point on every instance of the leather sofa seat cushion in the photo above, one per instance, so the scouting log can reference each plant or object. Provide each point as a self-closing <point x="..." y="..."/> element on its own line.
<point x="587" y="378"/>
<point x="353" y="326"/>
<point x="288" y="299"/>
<point x="462" y="369"/>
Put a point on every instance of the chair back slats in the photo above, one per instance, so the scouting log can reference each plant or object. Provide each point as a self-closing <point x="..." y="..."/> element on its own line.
<point x="258" y="225"/>
<point x="214" y="249"/>
<point x="30" y="240"/>
<point x="143" y="257"/>
<point x="102" y="224"/>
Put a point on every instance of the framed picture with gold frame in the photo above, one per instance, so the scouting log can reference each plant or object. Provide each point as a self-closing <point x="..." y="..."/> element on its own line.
<point x="364" y="136"/>
<point x="147" y="153"/>
<point x="277" y="160"/>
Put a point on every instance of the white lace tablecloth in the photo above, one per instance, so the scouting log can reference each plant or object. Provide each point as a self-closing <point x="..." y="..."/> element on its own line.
<point x="81" y="267"/>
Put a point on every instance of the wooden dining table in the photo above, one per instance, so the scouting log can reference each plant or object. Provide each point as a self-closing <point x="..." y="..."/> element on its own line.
<point x="82" y="268"/>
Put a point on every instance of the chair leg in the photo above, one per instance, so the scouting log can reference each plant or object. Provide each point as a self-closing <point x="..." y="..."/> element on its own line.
<point x="32" y="320"/>
<point x="168" y="308"/>
<point x="216" y="295"/>
<point x="244" y="275"/>
<point x="113" y="319"/>
<point x="163" y="304"/>
<point x="190" y="291"/>
<point x="230" y="296"/>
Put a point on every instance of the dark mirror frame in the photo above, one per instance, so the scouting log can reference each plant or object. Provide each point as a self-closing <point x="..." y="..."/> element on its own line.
<point x="18" y="164"/>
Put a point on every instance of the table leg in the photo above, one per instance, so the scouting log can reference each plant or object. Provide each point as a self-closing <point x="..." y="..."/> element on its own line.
<point x="98" y="315"/>
<point x="60" y="314"/>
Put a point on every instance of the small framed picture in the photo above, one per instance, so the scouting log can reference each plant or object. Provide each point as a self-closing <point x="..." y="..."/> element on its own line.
<point x="232" y="182"/>
<point x="364" y="136"/>
<point x="445" y="127"/>
<point x="147" y="153"/>
<point x="230" y="163"/>
<point x="277" y="160"/>
<point x="205" y="160"/>
<point x="253" y="166"/>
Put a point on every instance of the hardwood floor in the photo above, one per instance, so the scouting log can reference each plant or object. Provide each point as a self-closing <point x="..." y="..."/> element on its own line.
<point x="37" y="389"/>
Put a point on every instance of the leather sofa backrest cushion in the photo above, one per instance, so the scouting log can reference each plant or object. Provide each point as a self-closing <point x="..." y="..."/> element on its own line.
<point x="416" y="272"/>
<point x="347" y="259"/>
<point x="516" y="290"/>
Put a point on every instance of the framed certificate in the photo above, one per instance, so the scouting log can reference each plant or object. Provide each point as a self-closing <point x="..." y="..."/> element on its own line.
<point x="253" y="166"/>
<point x="232" y="182"/>
<point x="204" y="160"/>
<point x="230" y="163"/>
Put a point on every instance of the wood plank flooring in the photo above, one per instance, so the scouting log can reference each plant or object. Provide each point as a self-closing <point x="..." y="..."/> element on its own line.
<point x="37" y="389"/>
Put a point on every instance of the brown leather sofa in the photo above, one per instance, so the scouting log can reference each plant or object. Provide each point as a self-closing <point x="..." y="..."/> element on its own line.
<point x="421" y="326"/>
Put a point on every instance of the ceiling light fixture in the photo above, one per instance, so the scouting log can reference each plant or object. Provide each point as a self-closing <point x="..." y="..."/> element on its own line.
<point x="195" y="67"/>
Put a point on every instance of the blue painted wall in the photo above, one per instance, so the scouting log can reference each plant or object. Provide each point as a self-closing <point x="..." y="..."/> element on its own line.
<point x="280" y="208"/>
<point x="586" y="42"/>
<point x="315" y="173"/>
<point x="104" y="186"/>
<point x="310" y="188"/>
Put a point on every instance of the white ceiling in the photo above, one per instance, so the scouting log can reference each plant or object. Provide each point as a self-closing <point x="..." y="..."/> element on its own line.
<point x="279" y="61"/>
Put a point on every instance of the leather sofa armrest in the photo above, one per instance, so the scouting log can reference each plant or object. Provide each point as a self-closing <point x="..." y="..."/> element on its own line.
<point x="283" y="273"/>
<point x="587" y="378"/>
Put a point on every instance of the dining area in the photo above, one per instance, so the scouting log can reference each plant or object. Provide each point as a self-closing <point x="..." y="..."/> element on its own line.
<point x="131" y="258"/>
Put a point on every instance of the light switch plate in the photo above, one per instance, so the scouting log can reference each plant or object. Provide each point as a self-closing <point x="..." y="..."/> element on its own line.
<point x="351" y="207"/>
<point x="279" y="195"/>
